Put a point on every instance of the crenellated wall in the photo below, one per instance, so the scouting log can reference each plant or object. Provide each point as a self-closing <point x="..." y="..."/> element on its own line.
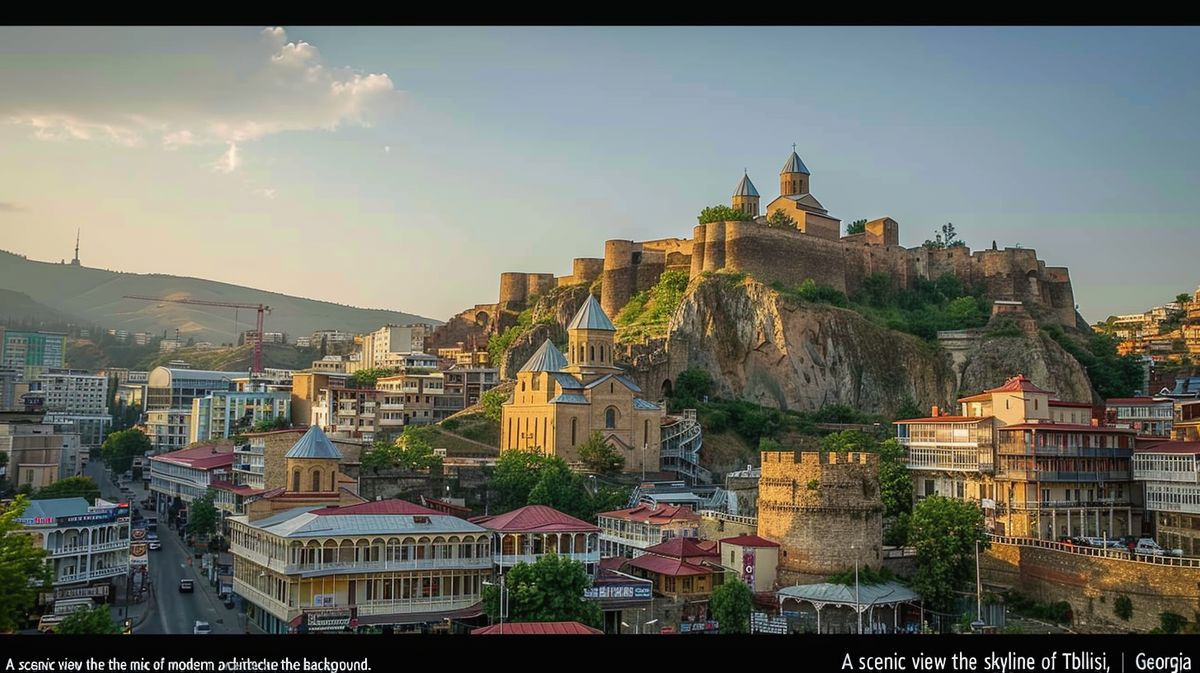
<point x="824" y="510"/>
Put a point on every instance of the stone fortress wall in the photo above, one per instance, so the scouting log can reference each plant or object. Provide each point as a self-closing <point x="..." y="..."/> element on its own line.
<point x="824" y="510"/>
<point x="791" y="257"/>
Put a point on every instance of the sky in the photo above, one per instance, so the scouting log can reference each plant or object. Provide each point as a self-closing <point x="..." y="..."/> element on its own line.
<point x="406" y="168"/>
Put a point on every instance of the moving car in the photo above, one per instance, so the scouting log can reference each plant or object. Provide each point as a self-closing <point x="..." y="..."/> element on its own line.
<point x="186" y="586"/>
<point x="154" y="544"/>
<point x="201" y="628"/>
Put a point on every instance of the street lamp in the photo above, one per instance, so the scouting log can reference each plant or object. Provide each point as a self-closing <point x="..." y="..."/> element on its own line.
<point x="978" y="623"/>
<point x="857" y="603"/>
<point x="503" y="599"/>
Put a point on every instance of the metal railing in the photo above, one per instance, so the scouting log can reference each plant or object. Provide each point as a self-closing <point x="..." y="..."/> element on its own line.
<point x="382" y="566"/>
<point x="86" y="548"/>
<point x="733" y="518"/>
<point x="1117" y="554"/>
<point x="112" y="571"/>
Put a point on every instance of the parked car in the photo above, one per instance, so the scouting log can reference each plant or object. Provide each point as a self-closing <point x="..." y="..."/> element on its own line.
<point x="186" y="586"/>
<point x="201" y="628"/>
<point x="1147" y="546"/>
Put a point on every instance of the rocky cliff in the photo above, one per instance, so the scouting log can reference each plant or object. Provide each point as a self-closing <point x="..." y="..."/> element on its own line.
<point x="994" y="359"/>
<point x="791" y="354"/>
<point x="799" y="355"/>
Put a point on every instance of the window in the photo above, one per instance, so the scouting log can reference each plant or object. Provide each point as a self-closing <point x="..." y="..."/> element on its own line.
<point x="296" y="480"/>
<point x="646" y="430"/>
<point x="610" y="418"/>
<point x="316" y="481"/>
<point x="591" y="352"/>
<point x="573" y="423"/>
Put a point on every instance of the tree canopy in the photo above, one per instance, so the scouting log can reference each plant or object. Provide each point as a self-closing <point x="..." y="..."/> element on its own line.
<point x="856" y="227"/>
<point x="781" y="220"/>
<point x="946" y="238"/>
<point x="599" y="456"/>
<point x="268" y="424"/>
<point x="529" y="478"/>
<point x="92" y="621"/>
<point x="731" y="604"/>
<point x="412" y="450"/>
<point x="944" y="532"/>
<point x="492" y="402"/>
<point x="550" y="590"/>
<point x="20" y="561"/>
<point x="71" y="487"/>
<point x="120" y="448"/>
<point x="202" y="515"/>
<point x="722" y="213"/>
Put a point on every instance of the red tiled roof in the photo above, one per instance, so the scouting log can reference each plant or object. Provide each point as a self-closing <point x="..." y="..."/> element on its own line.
<point x="1137" y="400"/>
<point x="945" y="419"/>
<point x="534" y="519"/>
<point x="1171" y="447"/>
<point x="378" y="507"/>
<point x="239" y="489"/>
<point x="1066" y="427"/>
<point x="668" y="566"/>
<point x="612" y="562"/>
<point x="1018" y="384"/>
<point x="203" y="457"/>
<point x="750" y="541"/>
<point x="1060" y="403"/>
<point x="537" y="629"/>
<point x="681" y="547"/>
<point x="708" y="544"/>
<point x="659" y="514"/>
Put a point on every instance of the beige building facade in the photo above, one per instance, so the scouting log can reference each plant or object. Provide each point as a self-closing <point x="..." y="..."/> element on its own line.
<point x="559" y="401"/>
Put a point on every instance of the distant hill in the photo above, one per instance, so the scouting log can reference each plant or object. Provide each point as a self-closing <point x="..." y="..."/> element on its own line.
<point x="17" y="309"/>
<point x="95" y="296"/>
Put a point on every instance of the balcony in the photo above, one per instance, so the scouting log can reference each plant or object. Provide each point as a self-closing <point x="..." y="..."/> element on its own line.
<point x="399" y="406"/>
<point x="507" y="560"/>
<point x="112" y="571"/>
<point x="1014" y="449"/>
<point x="263" y="600"/>
<point x="1180" y="476"/>
<point x="1060" y="475"/>
<point x="92" y="549"/>
<point x="1064" y="504"/>
<point x="343" y="567"/>
<point x="409" y="605"/>
<point x="258" y="558"/>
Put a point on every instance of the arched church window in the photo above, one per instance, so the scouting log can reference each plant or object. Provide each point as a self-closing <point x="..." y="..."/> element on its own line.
<point x="573" y="424"/>
<point x="610" y="418"/>
<point x="296" y="480"/>
<point x="316" y="481"/>
<point x="591" y="352"/>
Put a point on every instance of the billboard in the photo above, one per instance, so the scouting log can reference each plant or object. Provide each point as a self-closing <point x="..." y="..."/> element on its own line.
<point x="139" y="555"/>
<point x="630" y="591"/>
<point x="748" y="566"/>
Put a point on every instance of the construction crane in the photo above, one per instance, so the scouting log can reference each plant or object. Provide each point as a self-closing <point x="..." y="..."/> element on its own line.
<point x="258" y="339"/>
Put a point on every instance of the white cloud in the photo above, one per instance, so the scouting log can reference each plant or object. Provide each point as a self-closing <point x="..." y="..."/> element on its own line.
<point x="228" y="162"/>
<point x="387" y="149"/>
<point x="242" y="87"/>
<point x="266" y="193"/>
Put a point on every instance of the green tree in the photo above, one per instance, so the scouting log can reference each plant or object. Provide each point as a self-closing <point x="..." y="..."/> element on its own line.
<point x="731" y="604"/>
<point x="3" y="474"/>
<point x="120" y="448"/>
<point x="1183" y="298"/>
<point x="692" y="385"/>
<point x="412" y="450"/>
<point x="599" y="456"/>
<point x="202" y="516"/>
<point x="781" y="220"/>
<point x="280" y="422"/>
<point x="909" y="409"/>
<point x="493" y="401"/>
<point x="92" y="621"/>
<point x="1123" y="607"/>
<point x="558" y="487"/>
<point x="856" y="227"/>
<point x="722" y="213"/>
<point x="20" y="562"/>
<point x="366" y="378"/>
<point x="71" y="487"/>
<point x="550" y="590"/>
<point x="946" y="238"/>
<point x="944" y="532"/>
<point x="516" y="473"/>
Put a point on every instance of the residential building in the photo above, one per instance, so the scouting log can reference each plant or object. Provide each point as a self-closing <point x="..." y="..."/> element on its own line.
<point x="249" y="336"/>
<point x="383" y="563"/>
<point x="330" y="363"/>
<point x="34" y="353"/>
<point x="466" y="385"/>
<point x="34" y="449"/>
<point x="306" y="386"/>
<point x="139" y="338"/>
<point x="10" y="377"/>
<point x="84" y="544"/>
<point x="351" y="412"/>
<point x="77" y="400"/>
<point x="1170" y="474"/>
<point x="1152" y="416"/>
<point x="170" y="345"/>
<point x="558" y="402"/>
<point x="681" y="568"/>
<point x="629" y="532"/>
<point x="179" y="477"/>
<point x="224" y="413"/>
<point x="304" y="342"/>
<point x="1037" y="466"/>
<point x="1186" y="425"/>
<point x="406" y="361"/>
<point x="524" y="535"/>
<point x="169" y="395"/>
<point x="380" y="347"/>
<point x="752" y="558"/>
<point x="329" y="337"/>
<point x="413" y="397"/>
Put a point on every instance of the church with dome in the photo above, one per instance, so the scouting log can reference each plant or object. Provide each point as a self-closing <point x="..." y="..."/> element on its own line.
<point x="560" y="400"/>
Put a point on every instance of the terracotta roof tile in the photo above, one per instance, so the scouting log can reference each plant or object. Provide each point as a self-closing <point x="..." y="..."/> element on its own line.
<point x="534" y="519"/>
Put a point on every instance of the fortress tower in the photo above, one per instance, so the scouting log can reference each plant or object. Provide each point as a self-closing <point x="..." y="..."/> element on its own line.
<point x="745" y="197"/>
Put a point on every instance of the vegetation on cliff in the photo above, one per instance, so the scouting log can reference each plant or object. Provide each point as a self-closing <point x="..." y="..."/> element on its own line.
<point x="1111" y="375"/>
<point x="722" y="213"/>
<point x="944" y="532"/>
<point x="924" y="309"/>
<point x="649" y="312"/>
<point x="499" y="342"/>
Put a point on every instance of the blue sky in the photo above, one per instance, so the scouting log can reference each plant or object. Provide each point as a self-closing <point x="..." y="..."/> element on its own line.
<point x="405" y="168"/>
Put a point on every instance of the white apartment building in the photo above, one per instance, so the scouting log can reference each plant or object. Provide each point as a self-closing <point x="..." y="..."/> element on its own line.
<point x="1170" y="475"/>
<point x="224" y="413"/>
<point x="169" y="395"/>
<point x="84" y="544"/>
<point x="76" y="400"/>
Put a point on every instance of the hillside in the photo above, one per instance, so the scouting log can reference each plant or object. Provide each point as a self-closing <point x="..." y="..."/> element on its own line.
<point x="16" y="308"/>
<point x="94" y="296"/>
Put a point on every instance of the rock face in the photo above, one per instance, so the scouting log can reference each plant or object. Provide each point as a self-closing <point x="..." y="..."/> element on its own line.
<point x="994" y="359"/>
<point x="798" y="355"/>
<point x="551" y="315"/>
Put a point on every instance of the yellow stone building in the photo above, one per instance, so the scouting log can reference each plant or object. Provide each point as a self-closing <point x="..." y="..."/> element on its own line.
<point x="560" y="400"/>
<point x="794" y="199"/>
